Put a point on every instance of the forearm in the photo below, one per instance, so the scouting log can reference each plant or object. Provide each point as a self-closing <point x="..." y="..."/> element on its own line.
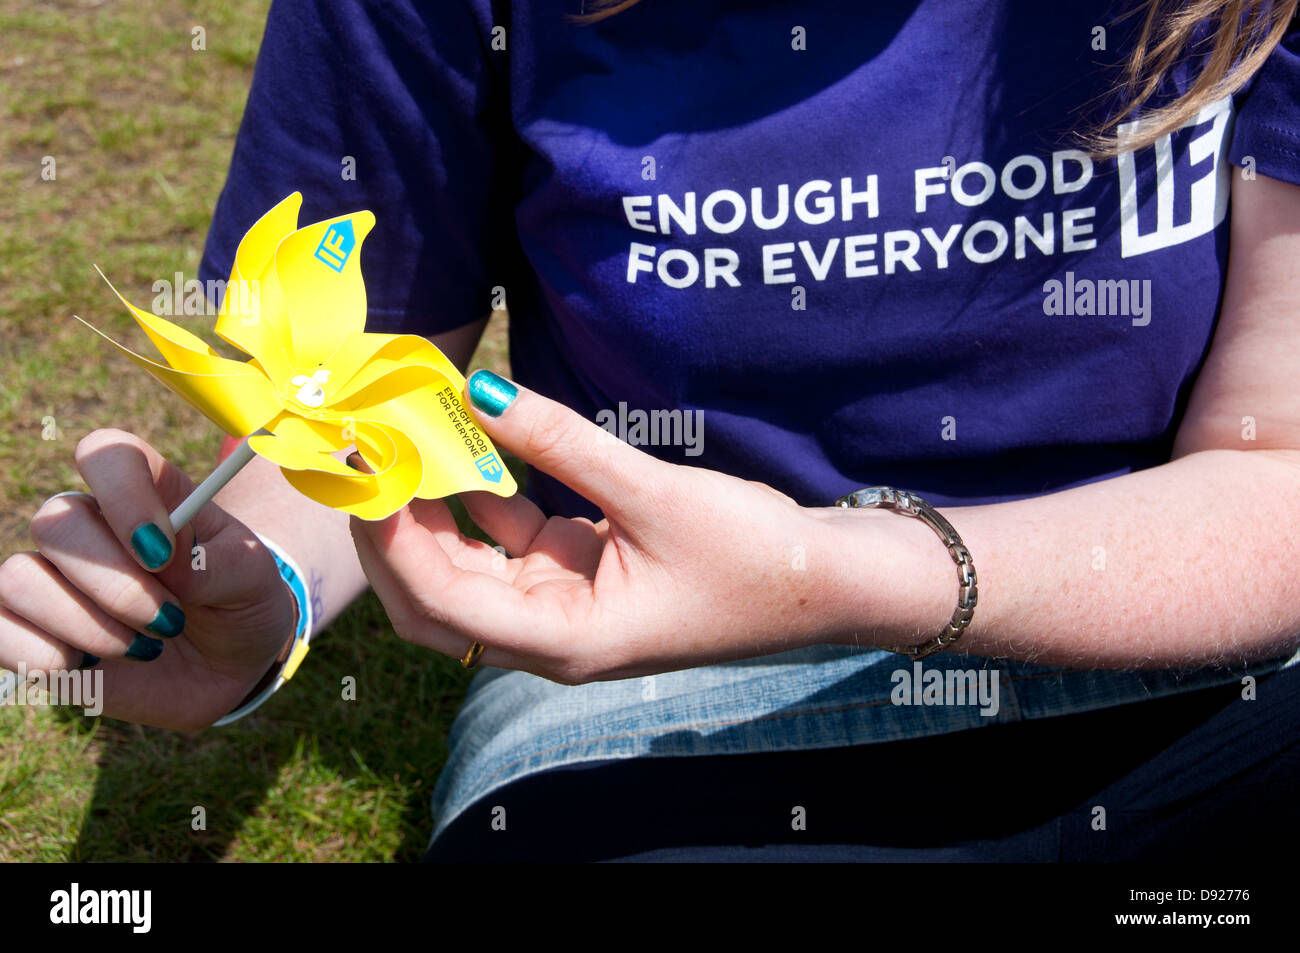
<point x="316" y="537"/>
<point x="1185" y="564"/>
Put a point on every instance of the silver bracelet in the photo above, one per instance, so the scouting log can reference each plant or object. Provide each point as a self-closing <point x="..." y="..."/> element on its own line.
<point x="909" y="504"/>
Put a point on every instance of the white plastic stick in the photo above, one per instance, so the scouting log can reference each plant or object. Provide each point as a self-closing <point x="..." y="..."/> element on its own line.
<point x="205" y="491"/>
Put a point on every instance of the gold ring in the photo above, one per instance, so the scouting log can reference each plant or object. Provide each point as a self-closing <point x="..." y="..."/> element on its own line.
<point x="472" y="656"/>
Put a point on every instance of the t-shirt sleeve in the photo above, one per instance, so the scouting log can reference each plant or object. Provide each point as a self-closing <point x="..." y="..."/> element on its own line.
<point x="1267" y="126"/>
<point x="394" y="106"/>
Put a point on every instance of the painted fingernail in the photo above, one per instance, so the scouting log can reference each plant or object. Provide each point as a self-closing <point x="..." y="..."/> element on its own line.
<point x="151" y="545"/>
<point x="88" y="660"/>
<point x="144" y="649"/>
<point x="491" y="393"/>
<point x="169" y="621"/>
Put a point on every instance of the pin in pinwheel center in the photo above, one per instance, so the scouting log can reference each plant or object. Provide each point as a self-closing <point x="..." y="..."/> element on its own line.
<point x="311" y="393"/>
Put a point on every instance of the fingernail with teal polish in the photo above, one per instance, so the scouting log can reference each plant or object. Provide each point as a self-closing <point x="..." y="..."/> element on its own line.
<point x="491" y="393"/>
<point x="144" y="649"/>
<point x="88" y="660"/>
<point x="169" y="621"/>
<point x="151" y="545"/>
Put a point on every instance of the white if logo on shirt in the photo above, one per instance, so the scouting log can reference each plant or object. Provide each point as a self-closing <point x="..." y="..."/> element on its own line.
<point x="1207" y="194"/>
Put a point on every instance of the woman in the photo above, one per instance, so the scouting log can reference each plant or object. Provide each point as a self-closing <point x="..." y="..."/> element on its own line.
<point x="868" y="249"/>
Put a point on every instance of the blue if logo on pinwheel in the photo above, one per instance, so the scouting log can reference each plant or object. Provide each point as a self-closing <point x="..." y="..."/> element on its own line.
<point x="337" y="245"/>
<point x="490" y="467"/>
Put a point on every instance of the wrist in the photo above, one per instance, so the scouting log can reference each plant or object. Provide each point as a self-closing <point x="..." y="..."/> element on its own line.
<point x="293" y="650"/>
<point x="272" y="668"/>
<point x="896" y="584"/>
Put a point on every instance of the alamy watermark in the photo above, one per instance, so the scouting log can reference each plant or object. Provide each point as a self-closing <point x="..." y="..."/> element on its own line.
<point x="133" y="908"/>
<point x="1125" y="297"/>
<point x="190" y="296"/>
<point x="953" y="686"/>
<point x="656" y="428"/>
<point x="81" y="689"/>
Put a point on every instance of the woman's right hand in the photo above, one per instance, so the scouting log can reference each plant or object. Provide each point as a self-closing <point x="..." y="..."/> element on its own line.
<point x="107" y="580"/>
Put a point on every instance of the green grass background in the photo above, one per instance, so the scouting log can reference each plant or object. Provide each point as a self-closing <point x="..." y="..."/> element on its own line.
<point x="141" y="127"/>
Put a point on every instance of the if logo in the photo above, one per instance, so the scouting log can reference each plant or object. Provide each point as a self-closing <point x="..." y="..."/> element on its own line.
<point x="1191" y="185"/>
<point x="337" y="244"/>
<point x="490" y="467"/>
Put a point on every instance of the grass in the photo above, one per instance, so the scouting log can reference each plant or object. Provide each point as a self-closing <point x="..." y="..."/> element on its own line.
<point x="140" y="127"/>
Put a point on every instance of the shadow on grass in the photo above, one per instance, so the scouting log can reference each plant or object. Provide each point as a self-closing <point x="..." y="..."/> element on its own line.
<point x="308" y="776"/>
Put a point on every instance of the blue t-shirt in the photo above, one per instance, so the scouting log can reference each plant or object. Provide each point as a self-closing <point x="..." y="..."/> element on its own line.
<point x="814" y="244"/>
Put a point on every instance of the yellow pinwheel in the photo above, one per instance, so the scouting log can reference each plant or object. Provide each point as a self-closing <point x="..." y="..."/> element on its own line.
<point x="317" y="382"/>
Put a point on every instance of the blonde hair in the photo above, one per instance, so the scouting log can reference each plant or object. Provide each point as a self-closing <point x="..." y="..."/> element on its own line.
<point x="1244" y="34"/>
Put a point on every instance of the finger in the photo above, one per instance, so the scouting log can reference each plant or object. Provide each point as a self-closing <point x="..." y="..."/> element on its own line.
<point x="406" y="622"/>
<point x="480" y="606"/>
<point x="615" y="476"/>
<point x="410" y="624"/>
<point x="513" y="521"/>
<point x="465" y="553"/>
<point x="33" y="590"/>
<point x="70" y="533"/>
<point x="135" y="488"/>
<point x="26" y="646"/>
<point x="436" y="517"/>
<point x="575" y="544"/>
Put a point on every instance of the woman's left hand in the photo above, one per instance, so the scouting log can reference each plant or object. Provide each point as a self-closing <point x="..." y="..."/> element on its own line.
<point x="689" y="567"/>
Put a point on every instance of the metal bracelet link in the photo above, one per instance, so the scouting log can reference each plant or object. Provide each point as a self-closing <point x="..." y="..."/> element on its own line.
<point x="909" y="504"/>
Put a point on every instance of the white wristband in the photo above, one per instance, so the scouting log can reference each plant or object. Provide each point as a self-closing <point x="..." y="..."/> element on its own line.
<point x="293" y="578"/>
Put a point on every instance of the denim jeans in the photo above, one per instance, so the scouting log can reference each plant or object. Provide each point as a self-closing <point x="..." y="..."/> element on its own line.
<point x="513" y="724"/>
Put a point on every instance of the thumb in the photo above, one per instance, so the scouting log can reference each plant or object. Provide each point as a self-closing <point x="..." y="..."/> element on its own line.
<point x="548" y="435"/>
